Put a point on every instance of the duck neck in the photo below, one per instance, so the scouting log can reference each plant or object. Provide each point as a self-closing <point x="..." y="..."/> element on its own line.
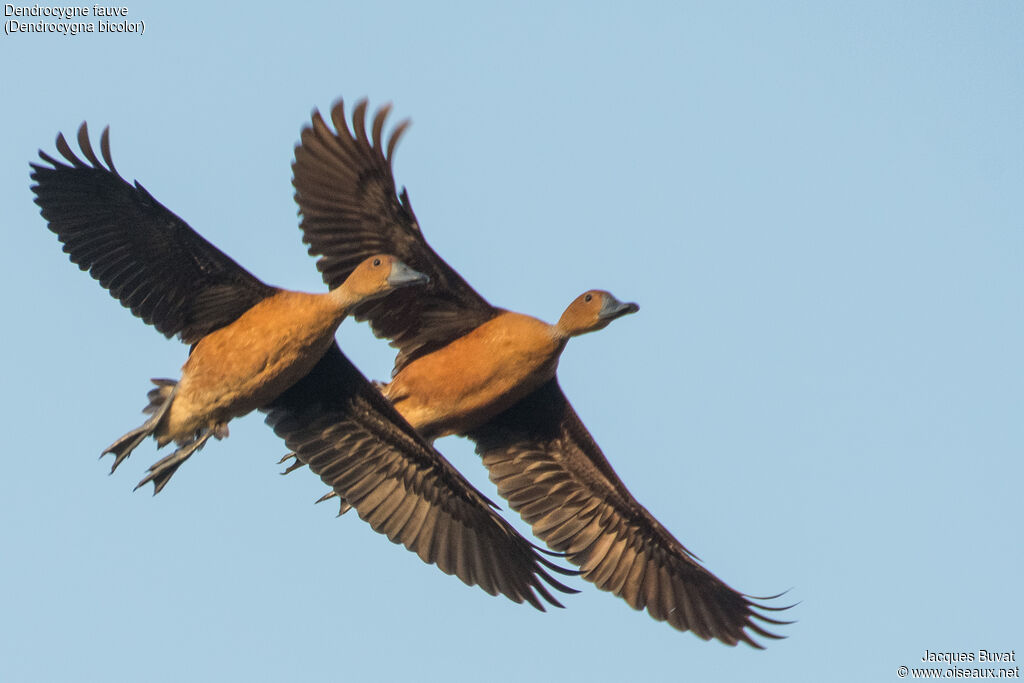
<point x="560" y="333"/>
<point x="568" y="326"/>
<point x="343" y="299"/>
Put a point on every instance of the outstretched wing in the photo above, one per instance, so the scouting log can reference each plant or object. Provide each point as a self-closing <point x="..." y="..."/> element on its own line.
<point x="349" y="435"/>
<point x="350" y="210"/>
<point x="147" y="257"/>
<point x="548" y="467"/>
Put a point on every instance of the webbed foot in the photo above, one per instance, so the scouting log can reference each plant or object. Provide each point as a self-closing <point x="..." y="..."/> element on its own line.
<point x="162" y="470"/>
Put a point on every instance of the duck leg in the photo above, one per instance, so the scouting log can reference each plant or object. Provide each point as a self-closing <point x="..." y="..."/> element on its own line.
<point x="294" y="466"/>
<point x="159" y="403"/>
<point x="345" y="507"/>
<point x="162" y="470"/>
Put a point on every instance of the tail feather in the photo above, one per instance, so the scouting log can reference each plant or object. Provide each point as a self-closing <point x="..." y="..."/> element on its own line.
<point x="158" y="396"/>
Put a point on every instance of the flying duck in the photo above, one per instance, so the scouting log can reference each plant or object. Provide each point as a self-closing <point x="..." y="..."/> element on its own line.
<point x="470" y="368"/>
<point x="254" y="346"/>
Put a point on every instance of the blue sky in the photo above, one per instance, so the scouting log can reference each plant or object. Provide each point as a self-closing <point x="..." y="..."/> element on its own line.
<point x="818" y="207"/>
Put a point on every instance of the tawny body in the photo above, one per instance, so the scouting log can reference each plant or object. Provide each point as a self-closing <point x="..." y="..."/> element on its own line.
<point x="239" y="368"/>
<point x="477" y="376"/>
<point x="250" y="360"/>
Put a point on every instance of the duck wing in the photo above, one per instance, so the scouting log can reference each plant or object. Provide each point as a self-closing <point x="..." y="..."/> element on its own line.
<point x="349" y="435"/>
<point x="350" y="210"/>
<point x="551" y="471"/>
<point x="142" y="253"/>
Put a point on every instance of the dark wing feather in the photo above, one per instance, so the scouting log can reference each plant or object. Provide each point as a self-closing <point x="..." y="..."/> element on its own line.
<point x="349" y="435"/>
<point x="546" y="464"/>
<point x="147" y="257"/>
<point x="350" y="210"/>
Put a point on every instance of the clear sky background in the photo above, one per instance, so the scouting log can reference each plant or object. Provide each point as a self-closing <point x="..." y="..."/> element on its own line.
<point x="818" y="207"/>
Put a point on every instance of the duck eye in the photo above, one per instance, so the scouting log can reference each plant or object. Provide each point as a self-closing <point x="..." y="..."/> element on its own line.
<point x="588" y="297"/>
<point x="376" y="262"/>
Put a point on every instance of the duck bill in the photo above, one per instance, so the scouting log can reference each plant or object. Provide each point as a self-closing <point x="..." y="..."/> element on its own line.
<point x="612" y="308"/>
<point x="404" y="276"/>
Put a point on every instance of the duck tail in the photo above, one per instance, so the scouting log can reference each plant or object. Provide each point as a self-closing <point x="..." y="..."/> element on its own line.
<point x="159" y="395"/>
<point x="160" y="399"/>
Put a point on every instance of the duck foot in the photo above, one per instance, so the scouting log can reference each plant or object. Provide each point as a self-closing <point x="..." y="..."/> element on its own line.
<point x="292" y="467"/>
<point x="162" y="470"/>
<point x="345" y="507"/>
<point x="159" y="403"/>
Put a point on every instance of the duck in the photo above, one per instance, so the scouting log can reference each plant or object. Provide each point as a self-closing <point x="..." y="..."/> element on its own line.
<point x="467" y="367"/>
<point x="254" y="346"/>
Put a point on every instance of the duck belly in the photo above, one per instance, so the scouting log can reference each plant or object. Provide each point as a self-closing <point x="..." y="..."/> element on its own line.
<point x="469" y="381"/>
<point x="247" y="364"/>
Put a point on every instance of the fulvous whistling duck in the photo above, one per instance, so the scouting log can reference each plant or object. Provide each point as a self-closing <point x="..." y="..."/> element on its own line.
<point x="255" y="346"/>
<point x="466" y="367"/>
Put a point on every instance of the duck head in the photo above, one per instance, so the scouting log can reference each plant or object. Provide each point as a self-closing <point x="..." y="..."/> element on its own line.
<point x="592" y="311"/>
<point x="377" y="276"/>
